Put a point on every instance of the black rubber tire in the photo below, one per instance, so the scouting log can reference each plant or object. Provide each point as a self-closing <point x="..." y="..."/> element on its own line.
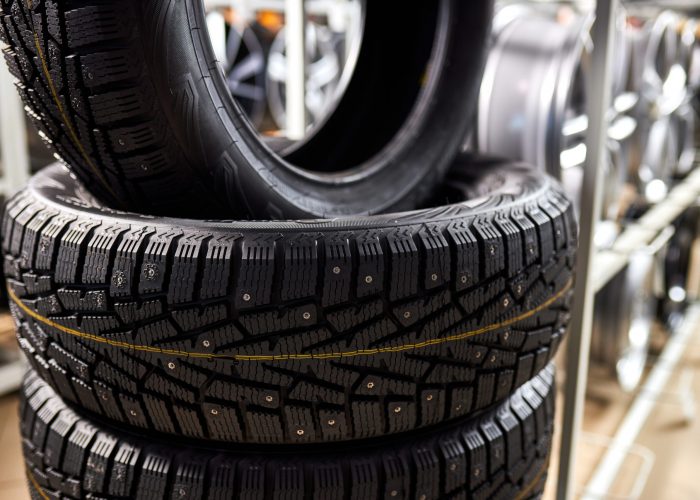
<point x="378" y="324"/>
<point x="501" y="454"/>
<point x="133" y="100"/>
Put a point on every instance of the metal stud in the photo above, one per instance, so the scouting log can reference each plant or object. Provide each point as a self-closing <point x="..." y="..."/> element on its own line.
<point x="331" y="422"/>
<point x="463" y="279"/>
<point x="429" y="397"/>
<point x="434" y="277"/>
<point x="150" y="271"/>
<point x="306" y="315"/>
<point x="214" y="411"/>
<point x="368" y="279"/>
<point x="407" y="314"/>
<point x="397" y="409"/>
<point x="171" y="365"/>
<point x="269" y="398"/>
<point x="119" y="279"/>
<point x="453" y="467"/>
<point x="300" y="432"/>
<point x="133" y="413"/>
<point x="370" y="385"/>
<point x="246" y="297"/>
<point x="394" y="493"/>
<point x="206" y="343"/>
<point x="506" y="302"/>
<point x="336" y="270"/>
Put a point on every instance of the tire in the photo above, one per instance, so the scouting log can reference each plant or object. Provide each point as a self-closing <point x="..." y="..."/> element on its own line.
<point x="131" y="97"/>
<point x="623" y="322"/>
<point x="501" y="454"/>
<point x="294" y="331"/>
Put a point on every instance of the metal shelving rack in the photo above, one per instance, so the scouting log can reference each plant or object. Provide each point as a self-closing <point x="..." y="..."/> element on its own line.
<point x="595" y="268"/>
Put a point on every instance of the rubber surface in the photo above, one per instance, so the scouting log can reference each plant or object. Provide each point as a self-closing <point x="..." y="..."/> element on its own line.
<point x="131" y="97"/>
<point x="502" y="454"/>
<point x="293" y="331"/>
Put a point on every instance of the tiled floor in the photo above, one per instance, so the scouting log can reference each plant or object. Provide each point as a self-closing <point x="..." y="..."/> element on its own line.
<point x="674" y="441"/>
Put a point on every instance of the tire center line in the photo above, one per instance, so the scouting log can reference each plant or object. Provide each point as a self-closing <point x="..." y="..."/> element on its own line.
<point x="35" y="485"/>
<point x="294" y="356"/>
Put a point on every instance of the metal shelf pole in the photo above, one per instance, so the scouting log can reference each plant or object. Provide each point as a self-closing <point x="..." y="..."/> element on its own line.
<point x="13" y="136"/>
<point x="578" y="345"/>
<point x="295" y="30"/>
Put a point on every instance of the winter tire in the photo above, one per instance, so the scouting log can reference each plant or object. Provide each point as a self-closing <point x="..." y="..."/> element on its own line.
<point x="501" y="454"/>
<point x="132" y="98"/>
<point x="269" y="331"/>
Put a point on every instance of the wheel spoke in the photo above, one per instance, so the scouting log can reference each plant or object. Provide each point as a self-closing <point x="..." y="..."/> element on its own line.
<point x="246" y="91"/>
<point x="277" y="67"/>
<point x="576" y="126"/>
<point x="323" y="71"/>
<point x="622" y="128"/>
<point x="574" y="156"/>
<point x="250" y="66"/>
<point x="233" y="45"/>
<point x="625" y="102"/>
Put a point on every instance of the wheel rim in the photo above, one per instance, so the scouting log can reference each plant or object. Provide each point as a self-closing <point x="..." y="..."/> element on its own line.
<point x="553" y="119"/>
<point x="623" y="322"/>
<point x="242" y="59"/>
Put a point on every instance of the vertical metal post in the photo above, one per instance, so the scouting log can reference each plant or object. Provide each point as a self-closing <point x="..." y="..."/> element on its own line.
<point x="295" y="36"/>
<point x="13" y="135"/>
<point x="578" y="345"/>
<point x="216" y="25"/>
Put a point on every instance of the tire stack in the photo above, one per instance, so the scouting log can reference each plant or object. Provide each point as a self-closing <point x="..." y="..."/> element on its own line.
<point x="207" y="319"/>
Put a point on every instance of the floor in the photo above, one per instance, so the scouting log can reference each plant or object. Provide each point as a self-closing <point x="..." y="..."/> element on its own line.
<point x="668" y="436"/>
<point x="13" y="484"/>
<point x="668" y="442"/>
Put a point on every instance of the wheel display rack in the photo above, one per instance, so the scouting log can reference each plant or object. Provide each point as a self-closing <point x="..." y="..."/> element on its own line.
<point x="595" y="268"/>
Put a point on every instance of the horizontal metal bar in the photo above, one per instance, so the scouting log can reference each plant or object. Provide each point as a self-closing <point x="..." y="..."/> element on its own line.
<point x="645" y="230"/>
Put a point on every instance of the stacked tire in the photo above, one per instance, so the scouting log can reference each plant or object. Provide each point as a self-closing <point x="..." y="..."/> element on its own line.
<point x="396" y="355"/>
